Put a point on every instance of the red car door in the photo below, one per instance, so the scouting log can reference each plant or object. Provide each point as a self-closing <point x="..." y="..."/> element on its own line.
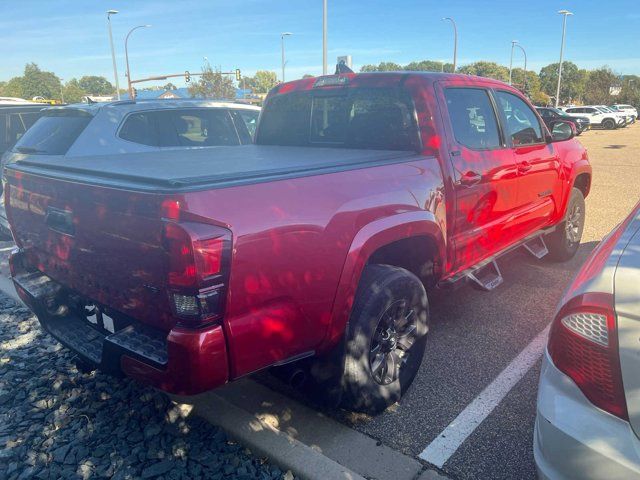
<point x="484" y="174"/>
<point x="538" y="164"/>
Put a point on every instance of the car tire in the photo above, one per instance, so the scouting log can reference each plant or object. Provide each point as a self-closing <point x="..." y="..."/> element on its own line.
<point x="564" y="241"/>
<point x="608" y="124"/>
<point x="386" y="338"/>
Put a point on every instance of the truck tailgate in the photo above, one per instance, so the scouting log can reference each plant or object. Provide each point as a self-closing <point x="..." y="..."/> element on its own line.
<point x="103" y="243"/>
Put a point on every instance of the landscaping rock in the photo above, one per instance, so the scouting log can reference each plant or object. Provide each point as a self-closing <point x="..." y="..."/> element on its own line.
<point x="56" y="422"/>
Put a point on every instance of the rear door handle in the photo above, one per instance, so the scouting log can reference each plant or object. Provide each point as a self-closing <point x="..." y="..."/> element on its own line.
<point x="470" y="178"/>
<point x="524" y="166"/>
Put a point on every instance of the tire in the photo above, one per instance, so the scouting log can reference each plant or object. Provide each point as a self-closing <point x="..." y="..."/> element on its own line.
<point x="564" y="241"/>
<point x="385" y="338"/>
<point x="608" y="124"/>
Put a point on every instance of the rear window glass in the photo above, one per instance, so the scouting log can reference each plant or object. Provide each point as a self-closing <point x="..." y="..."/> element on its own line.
<point x="367" y="118"/>
<point x="180" y="128"/>
<point x="250" y="119"/>
<point x="53" y="133"/>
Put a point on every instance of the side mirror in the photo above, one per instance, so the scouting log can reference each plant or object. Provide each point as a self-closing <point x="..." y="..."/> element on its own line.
<point x="561" y="130"/>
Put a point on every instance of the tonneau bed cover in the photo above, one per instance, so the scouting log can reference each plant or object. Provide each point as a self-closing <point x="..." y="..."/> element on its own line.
<point x="203" y="168"/>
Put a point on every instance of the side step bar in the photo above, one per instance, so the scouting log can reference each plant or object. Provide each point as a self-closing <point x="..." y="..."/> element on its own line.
<point x="487" y="277"/>
<point x="537" y="247"/>
<point x="486" y="274"/>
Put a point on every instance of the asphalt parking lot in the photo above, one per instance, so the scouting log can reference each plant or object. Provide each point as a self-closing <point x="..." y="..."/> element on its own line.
<point x="476" y="335"/>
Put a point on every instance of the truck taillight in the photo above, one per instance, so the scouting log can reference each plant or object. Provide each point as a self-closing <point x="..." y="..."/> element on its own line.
<point x="583" y="343"/>
<point x="198" y="270"/>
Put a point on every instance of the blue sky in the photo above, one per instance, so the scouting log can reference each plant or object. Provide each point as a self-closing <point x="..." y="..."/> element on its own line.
<point x="69" y="37"/>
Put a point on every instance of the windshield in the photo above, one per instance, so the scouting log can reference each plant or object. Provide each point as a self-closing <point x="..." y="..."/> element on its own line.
<point x="53" y="133"/>
<point x="367" y="118"/>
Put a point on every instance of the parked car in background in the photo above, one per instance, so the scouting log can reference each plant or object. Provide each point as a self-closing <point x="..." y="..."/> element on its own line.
<point x="588" y="415"/>
<point x="596" y="117"/>
<point x="314" y="247"/>
<point x="137" y="127"/>
<point x="82" y="130"/>
<point x="624" y="108"/>
<point x="550" y="115"/>
<point x="16" y="116"/>
<point x="626" y="117"/>
<point x="15" y="119"/>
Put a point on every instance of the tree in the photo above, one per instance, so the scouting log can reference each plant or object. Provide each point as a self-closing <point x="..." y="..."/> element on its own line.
<point x="486" y="69"/>
<point x="429" y="66"/>
<point x="532" y="86"/>
<point x="306" y="75"/>
<point x="630" y="90"/>
<point x="73" y="92"/>
<point x="540" y="98"/>
<point x="13" y="88"/>
<point x="597" y="89"/>
<point x="36" y="82"/>
<point x="212" y="84"/>
<point x="169" y="86"/>
<point x="262" y="81"/>
<point x="572" y="85"/>
<point x="382" y="67"/>
<point x="95" y="85"/>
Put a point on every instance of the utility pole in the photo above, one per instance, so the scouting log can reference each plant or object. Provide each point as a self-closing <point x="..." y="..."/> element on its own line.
<point x="524" y="81"/>
<point x="455" y="42"/>
<point x="565" y="14"/>
<point x="324" y="37"/>
<point x="126" y="55"/>
<point x="284" y="62"/>
<point x="113" y="52"/>
<point x="513" y="44"/>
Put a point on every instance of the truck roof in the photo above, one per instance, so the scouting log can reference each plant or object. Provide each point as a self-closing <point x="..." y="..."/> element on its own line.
<point x="388" y="79"/>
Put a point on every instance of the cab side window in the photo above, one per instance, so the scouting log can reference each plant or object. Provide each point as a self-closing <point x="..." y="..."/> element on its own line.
<point x="522" y="124"/>
<point x="472" y="117"/>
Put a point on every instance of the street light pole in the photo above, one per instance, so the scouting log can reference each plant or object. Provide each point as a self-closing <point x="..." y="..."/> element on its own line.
<point x="113" y="52"/>
<point x="565" y="14"/>
<point x="513" y="44"/>
<point x="282" y="35"/>
<point x="524" y="80"/>
<point x="126" y="56"/>
<point x="455" y="42"/>
<point x="324" y="37"/>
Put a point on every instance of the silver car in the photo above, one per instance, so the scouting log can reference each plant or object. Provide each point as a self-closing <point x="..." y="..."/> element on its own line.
<point x="85" y="130"/>
<point x="588" y="415"/>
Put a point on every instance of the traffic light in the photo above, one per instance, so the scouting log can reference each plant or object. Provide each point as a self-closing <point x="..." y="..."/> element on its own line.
<point x="187" y="76"/>
<point x="238" y="75"/>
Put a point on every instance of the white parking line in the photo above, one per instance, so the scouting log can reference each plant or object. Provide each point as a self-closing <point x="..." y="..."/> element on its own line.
<point x="446" y="444"/>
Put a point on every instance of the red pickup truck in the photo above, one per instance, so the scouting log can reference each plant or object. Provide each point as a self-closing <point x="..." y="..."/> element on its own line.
<point x="187" y="270"/>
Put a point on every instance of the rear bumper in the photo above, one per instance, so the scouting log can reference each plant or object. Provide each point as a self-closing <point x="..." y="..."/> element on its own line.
<point x="183" y="361"/>
<point x="574" y="439"/>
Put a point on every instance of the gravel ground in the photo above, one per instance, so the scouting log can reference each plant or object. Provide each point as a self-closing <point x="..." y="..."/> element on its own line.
<point x="56" y="422"/>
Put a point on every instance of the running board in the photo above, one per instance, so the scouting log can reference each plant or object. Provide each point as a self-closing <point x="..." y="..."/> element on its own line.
<point x="537" y="247"/>
<point x="487" y="277"/>
<point x="534" y="243"/>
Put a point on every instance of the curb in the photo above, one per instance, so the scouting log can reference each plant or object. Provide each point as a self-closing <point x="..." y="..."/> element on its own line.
<point x="265" y="440"/>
